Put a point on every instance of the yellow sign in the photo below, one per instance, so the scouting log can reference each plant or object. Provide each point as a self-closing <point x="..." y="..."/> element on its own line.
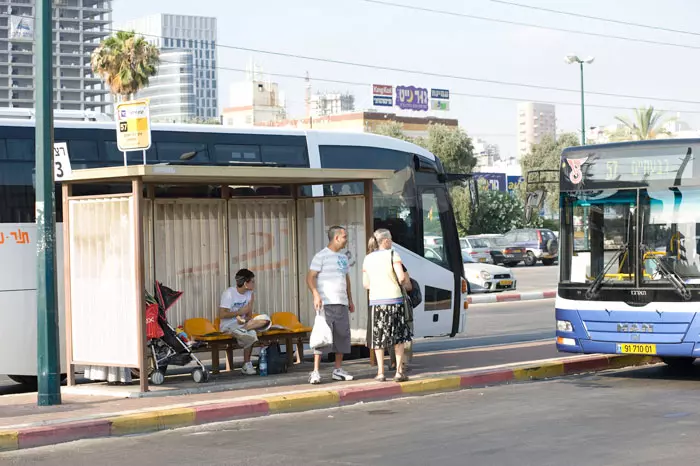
<point x="133" y="126"/>
<point x="636" y="348"/>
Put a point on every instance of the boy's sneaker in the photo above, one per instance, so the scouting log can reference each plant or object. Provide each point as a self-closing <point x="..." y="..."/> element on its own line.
<point x="314" y="378"/>
<point x="340" y="374"/>
<point x="248" y="369"/>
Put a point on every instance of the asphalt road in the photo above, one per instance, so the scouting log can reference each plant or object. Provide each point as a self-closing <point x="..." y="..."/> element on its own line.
<point x="629" y="417"/>
<point x="487" y="324"/>
<point x="536" y="278"/>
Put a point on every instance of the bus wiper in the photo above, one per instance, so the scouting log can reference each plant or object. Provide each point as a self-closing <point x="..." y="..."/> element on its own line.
<point x="668" y="274"/>
<point x="592" y="290"/>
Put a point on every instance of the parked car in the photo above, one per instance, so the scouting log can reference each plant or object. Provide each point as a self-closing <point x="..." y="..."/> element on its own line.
<point x="488" y="278"/>
<point x="503" y="252"/>
<point x="541" y="244"/>
<point x="476" y="249"/>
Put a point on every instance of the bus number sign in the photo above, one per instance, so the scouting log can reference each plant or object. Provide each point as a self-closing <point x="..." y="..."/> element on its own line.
<point x="133" y="126"/>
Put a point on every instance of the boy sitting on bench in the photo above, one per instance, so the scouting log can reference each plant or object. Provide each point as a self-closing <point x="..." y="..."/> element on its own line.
<point x="236" y="314"/>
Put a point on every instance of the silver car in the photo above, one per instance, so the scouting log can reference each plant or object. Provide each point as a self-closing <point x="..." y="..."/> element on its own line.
<point x="475" y="249"/>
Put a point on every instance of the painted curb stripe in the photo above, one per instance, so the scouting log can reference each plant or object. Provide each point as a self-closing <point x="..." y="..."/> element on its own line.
<point x="9" y="440"/>
<point x="510" y="297"/>
<point x="540" y="372"/>
<point x="42" y="436"/>
<point x="353" y="395"/>
<point x="432" y="385"/>
<point x="152" y="421"/>
<point x="492" y="378"/>
<point x="302" y="401"/>
<point x="230" y="411"/>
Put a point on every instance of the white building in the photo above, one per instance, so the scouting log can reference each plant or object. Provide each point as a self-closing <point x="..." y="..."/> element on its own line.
<point x="255" y="101"/>
<point x="171" y="91"/>
<point x="78" y="28"/>
<point x="195" y="34"/>
<point x="535" y="120"/>
<point x="487" y="154"/>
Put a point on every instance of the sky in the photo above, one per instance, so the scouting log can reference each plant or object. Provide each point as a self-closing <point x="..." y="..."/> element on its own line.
<point x="375" y="34"/>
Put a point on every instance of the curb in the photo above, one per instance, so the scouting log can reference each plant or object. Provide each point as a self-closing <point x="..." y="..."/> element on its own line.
<point x="509" y="297"/>
<point x="172" y="418"/>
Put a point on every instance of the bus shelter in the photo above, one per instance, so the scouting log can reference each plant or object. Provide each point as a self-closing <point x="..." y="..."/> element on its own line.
<point x="191" y="228"/>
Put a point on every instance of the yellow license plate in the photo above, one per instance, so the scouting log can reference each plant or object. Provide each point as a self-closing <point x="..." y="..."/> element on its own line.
<point x="636" y="348"/>
<point x="483" y="259"/>
<point x="506" y="282"/>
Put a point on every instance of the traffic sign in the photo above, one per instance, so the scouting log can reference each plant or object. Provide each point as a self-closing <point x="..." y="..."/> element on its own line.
<point x="133" y="126"/>
<point x="61" y="161"/>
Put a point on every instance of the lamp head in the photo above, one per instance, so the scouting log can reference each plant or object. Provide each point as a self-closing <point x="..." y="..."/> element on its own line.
<point x="571" y="59"/>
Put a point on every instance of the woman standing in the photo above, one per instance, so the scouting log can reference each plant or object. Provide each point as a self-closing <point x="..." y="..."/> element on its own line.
<point x="383" y="275"/>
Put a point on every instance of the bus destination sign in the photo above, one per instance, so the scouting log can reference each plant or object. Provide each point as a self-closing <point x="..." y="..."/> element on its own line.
<point x="581" y="170"/>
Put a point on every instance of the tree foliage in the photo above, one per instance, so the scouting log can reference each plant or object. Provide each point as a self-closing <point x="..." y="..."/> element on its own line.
<point x="497" y="212"/>
<point x="546" y="155"/>
<point x="646" y="123"/>
<point x="125" y="62"/>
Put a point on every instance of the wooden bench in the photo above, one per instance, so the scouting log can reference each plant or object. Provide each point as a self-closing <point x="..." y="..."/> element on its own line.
<point x="203" y="330"/>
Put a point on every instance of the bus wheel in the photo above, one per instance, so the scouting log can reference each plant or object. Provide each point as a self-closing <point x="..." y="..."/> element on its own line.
<point x="678" y="362"/>
<point x="530" y="259"/>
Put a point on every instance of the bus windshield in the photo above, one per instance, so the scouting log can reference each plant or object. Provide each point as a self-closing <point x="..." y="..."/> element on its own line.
<point x="670" y="223"/>
<point x="600" y="223"/>
<point x="601" y="229"/>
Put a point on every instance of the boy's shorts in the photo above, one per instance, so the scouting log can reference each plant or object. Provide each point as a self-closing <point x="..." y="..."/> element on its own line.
<point x="245" y="338"/>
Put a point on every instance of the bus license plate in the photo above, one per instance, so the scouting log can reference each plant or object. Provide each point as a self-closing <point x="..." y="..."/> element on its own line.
<point x="506" y="282"/>
<point x="636" y="348"/>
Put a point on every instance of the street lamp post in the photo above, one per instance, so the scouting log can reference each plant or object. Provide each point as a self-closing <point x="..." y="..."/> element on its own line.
<point x="571" y="59"/>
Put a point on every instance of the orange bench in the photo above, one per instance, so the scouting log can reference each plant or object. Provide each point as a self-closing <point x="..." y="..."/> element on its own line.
<point x="291" y="331"/>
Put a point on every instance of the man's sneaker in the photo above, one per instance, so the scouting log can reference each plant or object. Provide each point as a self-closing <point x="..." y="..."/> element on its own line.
<point x="248" y="369"/>
<point x="340" y="374"/>
<point x="314" y="378"/>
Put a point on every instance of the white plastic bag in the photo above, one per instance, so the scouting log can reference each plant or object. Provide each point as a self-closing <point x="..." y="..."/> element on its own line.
<point x="321" y="334"/>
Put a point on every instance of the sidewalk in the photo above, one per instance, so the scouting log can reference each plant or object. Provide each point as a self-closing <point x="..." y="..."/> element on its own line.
<point x="508" y="297"/>
<point x="108" y="413"/>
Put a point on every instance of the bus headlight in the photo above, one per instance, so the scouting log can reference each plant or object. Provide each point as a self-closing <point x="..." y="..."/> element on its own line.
<point x="485" y="275"/>
<point x="564" y="326"/>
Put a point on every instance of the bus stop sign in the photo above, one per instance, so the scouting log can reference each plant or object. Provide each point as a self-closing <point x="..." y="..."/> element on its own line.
<point x="133" y="126"/>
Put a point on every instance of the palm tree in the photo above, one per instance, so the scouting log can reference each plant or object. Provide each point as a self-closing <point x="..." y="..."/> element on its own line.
<point x="125" y="62"/>
<point x="647" y="124"/>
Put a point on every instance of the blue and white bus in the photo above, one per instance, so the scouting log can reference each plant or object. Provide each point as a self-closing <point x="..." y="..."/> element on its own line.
<point x="400" y="204"/>
<point x="630" y="250"/>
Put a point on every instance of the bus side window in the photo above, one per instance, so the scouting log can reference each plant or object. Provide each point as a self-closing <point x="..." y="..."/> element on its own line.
<point x="433" y="227"/>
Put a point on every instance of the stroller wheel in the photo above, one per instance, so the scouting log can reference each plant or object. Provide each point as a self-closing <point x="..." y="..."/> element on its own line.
<point x="157" y="378"/>
<point x="200" y="376"/>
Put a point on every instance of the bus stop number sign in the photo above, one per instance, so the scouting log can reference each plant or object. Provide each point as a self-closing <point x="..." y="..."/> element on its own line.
<point x="133" y="126"/>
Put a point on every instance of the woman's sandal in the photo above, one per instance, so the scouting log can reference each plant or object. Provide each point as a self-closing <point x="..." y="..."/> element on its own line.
<point x="380" y="378"/>
<point x="400" y="377"/>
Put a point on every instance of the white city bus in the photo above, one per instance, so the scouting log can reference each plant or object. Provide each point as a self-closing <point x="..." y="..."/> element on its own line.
<point x="413" y="204"/>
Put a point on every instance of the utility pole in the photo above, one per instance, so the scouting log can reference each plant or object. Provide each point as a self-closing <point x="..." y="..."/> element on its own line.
<point x="48" y="370"/>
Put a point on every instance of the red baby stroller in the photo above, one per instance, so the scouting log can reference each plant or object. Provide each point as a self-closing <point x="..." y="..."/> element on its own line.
<point x="164" y="344"/>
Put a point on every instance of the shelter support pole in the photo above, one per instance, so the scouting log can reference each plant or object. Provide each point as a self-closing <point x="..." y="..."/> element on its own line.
<point x="48" y="343"/>
<point x="67" y="191"/>
<point x="369" y="230"/>
<point x="137" y="199"/>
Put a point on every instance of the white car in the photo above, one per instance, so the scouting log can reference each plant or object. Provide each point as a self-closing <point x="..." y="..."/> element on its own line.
<point x="475" y="250"/>
<point x="489" y="278"/>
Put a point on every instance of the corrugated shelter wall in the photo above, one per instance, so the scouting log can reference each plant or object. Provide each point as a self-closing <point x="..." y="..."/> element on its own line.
<point x="262" y="238"/>
<point x="103" y="307"/>
<point x="189" y="237"/>
<point x="346" y="211"/>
